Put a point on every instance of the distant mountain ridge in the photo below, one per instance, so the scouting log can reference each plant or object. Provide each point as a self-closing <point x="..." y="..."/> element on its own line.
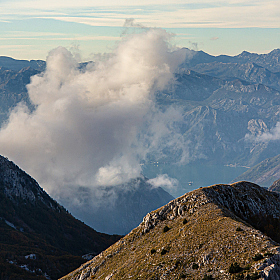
<point x="32" y="223"/>
<point x="270" y="60"/>
<point x="16" y="65"/>
<point x="217" y="232"/>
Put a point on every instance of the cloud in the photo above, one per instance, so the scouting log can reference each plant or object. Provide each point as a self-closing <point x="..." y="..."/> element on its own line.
<point x="272" y="135"/>
<point x="169" y="14"/>
<point x="193" y="45"/>
<point x="214" y="38"/>
<point x="93" y="127"/>
<point x="164" y="181"/>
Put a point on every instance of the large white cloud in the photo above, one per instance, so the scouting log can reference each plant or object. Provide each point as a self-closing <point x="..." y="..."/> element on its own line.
<point x="87" y="124"/>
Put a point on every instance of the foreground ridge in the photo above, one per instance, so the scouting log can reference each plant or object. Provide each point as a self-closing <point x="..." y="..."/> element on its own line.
<point x="217" y="232"/>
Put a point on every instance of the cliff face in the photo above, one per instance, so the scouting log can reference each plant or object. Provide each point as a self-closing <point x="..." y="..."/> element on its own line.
<point x="39" y="239"/>
<point x="218" y="232"/>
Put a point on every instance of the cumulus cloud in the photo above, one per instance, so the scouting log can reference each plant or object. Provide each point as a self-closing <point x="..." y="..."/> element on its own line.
<point x="271" y="135"/>
<point x="92" y="127"/>
<point x="164" y="181"/>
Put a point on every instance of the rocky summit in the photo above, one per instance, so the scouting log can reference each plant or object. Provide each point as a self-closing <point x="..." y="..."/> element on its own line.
<point x="216" y="232"/>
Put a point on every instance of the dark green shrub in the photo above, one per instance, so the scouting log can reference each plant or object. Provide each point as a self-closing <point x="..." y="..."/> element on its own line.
<point x="258" y="257"/>
<point x="163" y="252"/>
<point x="166" y="228"/>
<point x="207" y="277"/>
<point x="234" y="268"/>
<point x="185" y="221"/>
<point x="183" y="276"/>
<point x="153" y="251"/>
<point x="195" y="266"/>
<point x="239" y="229"/>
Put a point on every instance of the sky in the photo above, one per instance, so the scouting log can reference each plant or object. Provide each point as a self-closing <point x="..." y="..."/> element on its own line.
<point x="29" y="29"/>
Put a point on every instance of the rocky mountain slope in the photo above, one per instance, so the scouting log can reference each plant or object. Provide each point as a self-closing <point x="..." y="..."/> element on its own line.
<point x="264" y="173"/>
<point x="39" y="239"/>
<point x="275" y="187"/>
<point x="216" y="232"/>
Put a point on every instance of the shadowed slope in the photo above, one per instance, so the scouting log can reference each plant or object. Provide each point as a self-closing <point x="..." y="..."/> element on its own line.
<point x="31" y="222"/>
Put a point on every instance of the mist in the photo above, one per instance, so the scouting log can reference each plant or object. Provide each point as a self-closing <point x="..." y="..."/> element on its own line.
<point x="265" y="136"/>
<point x="94" y="127"/>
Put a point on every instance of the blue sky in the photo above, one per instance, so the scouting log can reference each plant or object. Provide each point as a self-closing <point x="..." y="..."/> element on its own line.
<point x="29" y="29"/>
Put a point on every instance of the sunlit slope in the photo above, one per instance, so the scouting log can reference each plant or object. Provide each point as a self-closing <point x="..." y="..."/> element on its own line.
<point x="220" y="231"/>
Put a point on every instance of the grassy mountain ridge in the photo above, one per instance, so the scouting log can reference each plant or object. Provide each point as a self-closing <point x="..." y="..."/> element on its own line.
<point x="217" y="232"/>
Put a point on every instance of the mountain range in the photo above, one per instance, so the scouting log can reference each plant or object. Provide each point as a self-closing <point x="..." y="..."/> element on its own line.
<point x="227" y="101"/>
